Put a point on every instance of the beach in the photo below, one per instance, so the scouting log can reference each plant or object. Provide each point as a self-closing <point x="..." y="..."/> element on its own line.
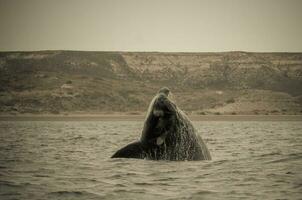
<point x="139" y="117"/>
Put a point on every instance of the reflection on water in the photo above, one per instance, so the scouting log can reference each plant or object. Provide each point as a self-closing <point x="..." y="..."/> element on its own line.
<point x="70" y="160"/>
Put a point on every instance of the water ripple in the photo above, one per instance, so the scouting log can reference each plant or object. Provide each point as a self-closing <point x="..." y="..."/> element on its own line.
<point x="71" y="160"/>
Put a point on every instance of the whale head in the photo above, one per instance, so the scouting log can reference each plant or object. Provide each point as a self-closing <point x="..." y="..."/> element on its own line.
<point x="159" y="119"/>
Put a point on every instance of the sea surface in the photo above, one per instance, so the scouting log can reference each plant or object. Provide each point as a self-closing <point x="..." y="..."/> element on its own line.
<point x="71" y="160"/>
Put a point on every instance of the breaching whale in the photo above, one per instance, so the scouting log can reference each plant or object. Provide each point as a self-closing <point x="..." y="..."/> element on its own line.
<point x="168" y="134"/>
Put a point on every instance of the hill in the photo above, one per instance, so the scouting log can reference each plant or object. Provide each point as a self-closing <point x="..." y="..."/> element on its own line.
<point x="105" y="82"/>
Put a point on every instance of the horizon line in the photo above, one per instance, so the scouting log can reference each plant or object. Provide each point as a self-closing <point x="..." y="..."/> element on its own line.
<point x="125" y="51"/>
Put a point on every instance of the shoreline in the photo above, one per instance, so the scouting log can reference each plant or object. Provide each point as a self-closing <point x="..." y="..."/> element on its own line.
<point x="125" y="117"/>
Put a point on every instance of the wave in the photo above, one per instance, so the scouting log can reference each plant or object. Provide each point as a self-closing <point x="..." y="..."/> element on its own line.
<point x="73" y="194"/>
<point x="290" y="157"/>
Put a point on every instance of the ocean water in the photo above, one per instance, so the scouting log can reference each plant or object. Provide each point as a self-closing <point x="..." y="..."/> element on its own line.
<point x="71" y="160"/>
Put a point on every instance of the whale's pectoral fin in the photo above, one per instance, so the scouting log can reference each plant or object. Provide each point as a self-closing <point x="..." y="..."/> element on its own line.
<point x="132" y="150"/>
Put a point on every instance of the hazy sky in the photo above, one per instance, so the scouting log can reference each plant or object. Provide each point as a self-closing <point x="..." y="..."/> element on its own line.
<point x="151" y="25"/>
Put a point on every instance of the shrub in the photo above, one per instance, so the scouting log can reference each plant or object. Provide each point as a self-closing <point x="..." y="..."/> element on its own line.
<point x="201" y="113"/>
<point x="232" y="100"/>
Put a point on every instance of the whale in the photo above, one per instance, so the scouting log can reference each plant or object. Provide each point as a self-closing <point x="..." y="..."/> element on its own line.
<point x="167" y="134"/>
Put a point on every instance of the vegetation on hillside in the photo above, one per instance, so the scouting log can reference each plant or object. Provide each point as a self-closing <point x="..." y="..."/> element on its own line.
<point x="105" y="82"/>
